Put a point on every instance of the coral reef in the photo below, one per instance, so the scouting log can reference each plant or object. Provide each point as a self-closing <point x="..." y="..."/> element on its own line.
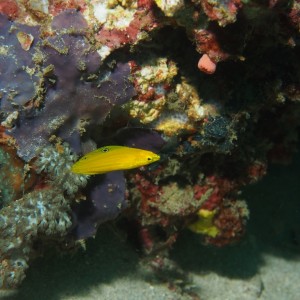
<point x="208" y="85"/>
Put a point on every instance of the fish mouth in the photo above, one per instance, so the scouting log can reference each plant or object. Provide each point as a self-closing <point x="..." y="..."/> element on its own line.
<point x="156" y="158"/>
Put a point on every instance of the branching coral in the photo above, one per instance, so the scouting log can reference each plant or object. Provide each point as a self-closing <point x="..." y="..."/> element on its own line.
<point x="43" y="214"/>
<point x="57" y="164"/>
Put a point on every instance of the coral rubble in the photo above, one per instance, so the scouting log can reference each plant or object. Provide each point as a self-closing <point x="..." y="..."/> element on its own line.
<point x="210" y="85"/>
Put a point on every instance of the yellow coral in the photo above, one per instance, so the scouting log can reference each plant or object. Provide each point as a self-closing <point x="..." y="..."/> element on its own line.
<point x="205" y="223"/>
<point x="189" y="97"/>
<point x="172" y="125"/>
<point x="170" y="7"/>
<point x="146" y="112"/>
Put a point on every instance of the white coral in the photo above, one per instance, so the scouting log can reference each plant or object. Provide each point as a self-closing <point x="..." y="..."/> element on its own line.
<point x="58" y="167"/>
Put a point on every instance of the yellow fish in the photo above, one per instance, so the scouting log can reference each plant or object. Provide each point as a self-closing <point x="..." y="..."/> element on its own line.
<point x="113" y="158"/>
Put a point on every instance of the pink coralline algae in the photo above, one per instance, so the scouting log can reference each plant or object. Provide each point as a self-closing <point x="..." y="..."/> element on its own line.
<point x="142" y="21"/>
<point x="223" y="11"/>
<point x="76" y="75"/>
<point x="9" y="8"/>
<point x="230" y="220"/>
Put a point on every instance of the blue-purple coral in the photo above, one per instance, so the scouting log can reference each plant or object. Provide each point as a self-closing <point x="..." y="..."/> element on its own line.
<point x="19" y="81"/>
<point x="76" y="92"/>
<point x="105" y="201"/>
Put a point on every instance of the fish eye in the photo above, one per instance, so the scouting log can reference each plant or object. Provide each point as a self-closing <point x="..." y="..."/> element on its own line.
<point x="104" y="150"/>
<point x="149" y="158"/>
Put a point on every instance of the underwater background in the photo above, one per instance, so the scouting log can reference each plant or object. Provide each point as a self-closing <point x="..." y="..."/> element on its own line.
<point x="148" y="149"/>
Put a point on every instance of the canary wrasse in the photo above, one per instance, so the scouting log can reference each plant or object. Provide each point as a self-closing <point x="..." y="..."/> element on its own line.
<point x="113" y="158"/>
